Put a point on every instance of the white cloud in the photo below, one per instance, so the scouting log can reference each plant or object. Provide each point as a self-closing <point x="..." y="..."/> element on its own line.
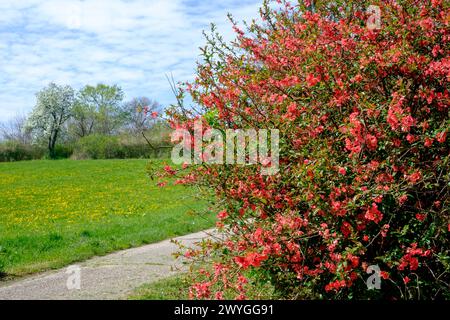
<point x="133" y="43"/>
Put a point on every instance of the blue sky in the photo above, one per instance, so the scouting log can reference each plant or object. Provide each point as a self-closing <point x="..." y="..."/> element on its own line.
<point x="132" y="43"/>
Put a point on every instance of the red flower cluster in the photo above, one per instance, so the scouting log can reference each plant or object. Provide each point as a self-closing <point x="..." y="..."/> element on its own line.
<point x="252" y="259"/>
<point x="411" y="257"/>
<point x="374" y="214"/>
<point x="170" y="170"/>
<point x="336" y="285"/>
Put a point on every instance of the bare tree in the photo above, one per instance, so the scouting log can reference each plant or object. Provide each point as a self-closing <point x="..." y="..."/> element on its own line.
<point x="15" y="130"/>
<point x="139" y="113"/>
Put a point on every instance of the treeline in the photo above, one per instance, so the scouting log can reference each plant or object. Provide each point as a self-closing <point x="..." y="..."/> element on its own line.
<point x="92" y="123"/>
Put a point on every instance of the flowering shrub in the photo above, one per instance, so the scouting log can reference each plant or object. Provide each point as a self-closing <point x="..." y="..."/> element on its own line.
<point x="364" y="176"/>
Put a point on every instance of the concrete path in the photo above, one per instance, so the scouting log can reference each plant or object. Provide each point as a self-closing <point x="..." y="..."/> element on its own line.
<point x="109" y="277"/>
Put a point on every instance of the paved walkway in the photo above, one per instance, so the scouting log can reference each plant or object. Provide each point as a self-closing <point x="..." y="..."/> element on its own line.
<point x="113" y="276"/>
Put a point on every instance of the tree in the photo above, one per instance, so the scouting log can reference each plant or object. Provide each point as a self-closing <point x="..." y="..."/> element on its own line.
<point x="14" y="130"/>
<point x="363" y="116"/>
<point x="52" y="110"/>
<point x="98" y="109"/>
<point x="139" y="113"/>
<point x="83" y="119"/>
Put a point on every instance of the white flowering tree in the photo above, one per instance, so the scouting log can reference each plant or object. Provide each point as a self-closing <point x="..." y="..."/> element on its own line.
<point x="53" y="108"/>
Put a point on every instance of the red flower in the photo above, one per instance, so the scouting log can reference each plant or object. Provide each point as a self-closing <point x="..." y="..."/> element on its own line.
<point x="201" y="290"/>
<point x="255" y="259"/>
<point x="312" y="80"/>
<point x="396" y="142"/>
<point x="402" y="199"/>
<point x="357" y="78"/>
<point x="292" y="109"/>
<point x="252" y="259"/>
<point x="407" y="123"/>
<point x="169" y="170"/>
<point x="354" y="260"/>
<point x="335" y="286"/>
<point x="374" y="214"/>
<point x="410" y="258"/>
<point x="416" y="176"/>
<point x="385" y="230"/>
<point x="346" y="229"/>
<point x="420" y="216"/>
<point x="219" y="225"/>
<point x="428" y="142"/>
<point x="242" y="279"/>
<point x="258" y="235"/>
<point x="406" y="280"/>
<point x="411" y="138"/>
<point x="426" y="24"/>
<point x="372" y="142"/>
<point x="436" y="3"/>
<point x="154" y="114"/>
<point x="222" y="215"/>
<point x="441" y="137"/>
<point x="219" y="295"/>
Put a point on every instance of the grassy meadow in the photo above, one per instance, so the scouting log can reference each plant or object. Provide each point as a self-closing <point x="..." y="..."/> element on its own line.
<point x="53" y="213"/>
<point x="177" y="288"/>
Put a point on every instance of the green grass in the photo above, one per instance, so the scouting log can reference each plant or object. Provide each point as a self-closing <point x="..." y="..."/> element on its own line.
<point x="53" y="213"/>
<point x="172" y="288"/>
<point x="177" y="288"/>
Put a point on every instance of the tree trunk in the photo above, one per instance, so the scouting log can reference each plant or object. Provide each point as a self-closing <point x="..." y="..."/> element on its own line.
<point x="52" y="143"/>
<point x="50" y="150"/>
